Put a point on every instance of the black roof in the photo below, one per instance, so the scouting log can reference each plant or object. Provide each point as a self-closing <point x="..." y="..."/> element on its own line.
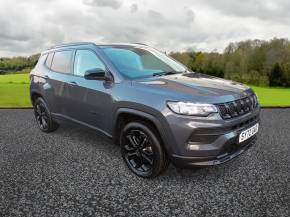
<point x="72" y="44"/>
<point x="91" y="43"/>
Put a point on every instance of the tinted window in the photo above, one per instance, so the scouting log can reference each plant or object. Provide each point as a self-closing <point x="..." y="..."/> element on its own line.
<point x="49" y="60"/>
<point x="137" y="62"/>
<point x="41" y="60"/>
<point x="61" y="61"/>
<point x="85" y="60"/>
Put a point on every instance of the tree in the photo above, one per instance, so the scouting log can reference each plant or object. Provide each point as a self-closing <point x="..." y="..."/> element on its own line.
<point x="276" y="75"/>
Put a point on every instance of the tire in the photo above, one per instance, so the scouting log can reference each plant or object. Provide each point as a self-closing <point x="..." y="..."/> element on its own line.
<point x="43" y="116"/>
<point x="142" y="151"/>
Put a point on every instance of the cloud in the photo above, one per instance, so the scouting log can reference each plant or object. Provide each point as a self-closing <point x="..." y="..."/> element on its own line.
<point x="190" y="14"/>
<point x="248" y="8"/>
<point x="134" y="8"/>
<point x="272" y="10"/>
<point x="31" y="26"/>
<point x="115" y="4"/>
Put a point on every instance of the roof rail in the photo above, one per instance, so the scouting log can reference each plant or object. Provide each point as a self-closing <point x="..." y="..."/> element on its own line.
<point x="71" y="44"/>
<point x="141" y="44"/>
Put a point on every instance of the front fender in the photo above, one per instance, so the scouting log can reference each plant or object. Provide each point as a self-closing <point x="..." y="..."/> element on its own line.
<point x="156" y="118"/>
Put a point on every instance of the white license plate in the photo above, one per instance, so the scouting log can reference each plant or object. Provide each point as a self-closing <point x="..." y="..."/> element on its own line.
<point x="248" y="133"/>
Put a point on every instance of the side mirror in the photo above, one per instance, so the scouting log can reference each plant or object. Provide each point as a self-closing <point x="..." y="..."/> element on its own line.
<point x="95" y="74"/>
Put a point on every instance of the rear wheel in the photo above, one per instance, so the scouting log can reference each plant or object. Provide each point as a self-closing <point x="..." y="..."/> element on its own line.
<point x="43" y="116"/>
<point x="142" y="151"/>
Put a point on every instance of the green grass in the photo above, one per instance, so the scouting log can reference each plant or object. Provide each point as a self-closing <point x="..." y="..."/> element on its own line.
<point x="14" y="95"/>
<point x="273" y="96"/>
<point x="14" y="78"/>
<point x="14" y="92"/>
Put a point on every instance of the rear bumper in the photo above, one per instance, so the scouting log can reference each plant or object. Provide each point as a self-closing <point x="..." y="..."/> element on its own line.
<point x="233" y="151"/>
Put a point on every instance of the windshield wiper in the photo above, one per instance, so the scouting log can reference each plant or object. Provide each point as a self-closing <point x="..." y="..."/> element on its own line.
<point x="165" y="73"/>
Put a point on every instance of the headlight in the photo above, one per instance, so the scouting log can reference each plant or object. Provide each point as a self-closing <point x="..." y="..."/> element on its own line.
<point x="256" y="98"/>
<point x="188" y="108"/>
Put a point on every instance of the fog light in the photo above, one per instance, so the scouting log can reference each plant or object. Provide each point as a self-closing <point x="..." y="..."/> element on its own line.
<point x="193" y="147"/>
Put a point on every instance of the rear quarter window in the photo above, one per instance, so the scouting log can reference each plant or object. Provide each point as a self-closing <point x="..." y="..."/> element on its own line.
<point x="41" y="61"/>
<point x="49" y="60"/>
<point x="62" y="61"/>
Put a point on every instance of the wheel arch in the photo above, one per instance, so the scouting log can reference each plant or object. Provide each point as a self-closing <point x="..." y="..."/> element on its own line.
<point x="125" y="115"/>
<point x="34" y="94"/>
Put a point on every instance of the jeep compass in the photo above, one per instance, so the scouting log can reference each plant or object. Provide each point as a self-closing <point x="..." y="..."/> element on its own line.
<point x="155" y="108"/>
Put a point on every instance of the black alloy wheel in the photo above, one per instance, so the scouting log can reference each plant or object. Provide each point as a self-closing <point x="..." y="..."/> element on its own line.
<point x="138" y="151"/>
<point x="43" y="117"/>
<point x="141" y="150"/>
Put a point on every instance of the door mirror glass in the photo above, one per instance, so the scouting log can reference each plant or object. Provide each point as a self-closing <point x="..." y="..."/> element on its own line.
<point x="95" y="74"/>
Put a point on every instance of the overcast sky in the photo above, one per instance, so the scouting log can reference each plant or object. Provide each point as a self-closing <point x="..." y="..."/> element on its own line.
<point x="30" y="26"/>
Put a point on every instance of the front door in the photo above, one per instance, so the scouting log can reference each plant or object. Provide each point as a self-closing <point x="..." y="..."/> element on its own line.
<point x="90" y="99"/>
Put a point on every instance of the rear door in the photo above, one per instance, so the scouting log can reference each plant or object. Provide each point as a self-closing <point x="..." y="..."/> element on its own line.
<point x="60" y="77"/>
<point x="90" y="99"/>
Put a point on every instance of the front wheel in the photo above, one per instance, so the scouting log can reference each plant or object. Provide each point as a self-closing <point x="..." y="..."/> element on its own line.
<point x="43" y="116"/>
<point x="142" y="151"/>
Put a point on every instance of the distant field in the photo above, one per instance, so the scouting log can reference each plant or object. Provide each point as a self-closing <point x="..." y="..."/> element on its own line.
<point x="273" y="96"/>
<point x="14" y="92"/>
<point x="15" y="78"/>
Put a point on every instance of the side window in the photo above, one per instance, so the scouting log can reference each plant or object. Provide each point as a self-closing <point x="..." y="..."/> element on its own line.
<point x="49" y="60"/>
<point x="41" y="60"/>
<point x="85" y="60"/>
<point x="61" y="61"/>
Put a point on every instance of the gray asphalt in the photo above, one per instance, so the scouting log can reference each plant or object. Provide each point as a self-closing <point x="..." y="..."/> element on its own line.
<point x="75" y="172"/>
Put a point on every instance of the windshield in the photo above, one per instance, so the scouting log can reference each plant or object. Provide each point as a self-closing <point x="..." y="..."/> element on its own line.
<point x="135" y="62"/>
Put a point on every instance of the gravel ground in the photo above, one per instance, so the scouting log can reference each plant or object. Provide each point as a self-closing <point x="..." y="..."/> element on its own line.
<point x="74" y="172"/>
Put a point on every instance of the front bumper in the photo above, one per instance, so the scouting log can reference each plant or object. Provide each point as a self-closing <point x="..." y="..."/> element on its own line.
<point x="204" y="142"/>
<point x="183" y="161"/>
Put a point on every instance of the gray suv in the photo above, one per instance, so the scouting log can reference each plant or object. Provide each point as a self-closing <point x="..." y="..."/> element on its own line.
<point x="156" y="109"/>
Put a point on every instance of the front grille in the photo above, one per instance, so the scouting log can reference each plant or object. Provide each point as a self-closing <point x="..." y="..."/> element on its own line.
<point x="238" y="107"/>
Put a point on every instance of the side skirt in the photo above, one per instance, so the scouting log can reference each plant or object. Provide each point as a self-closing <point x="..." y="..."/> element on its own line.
<point x="66" y="118"/>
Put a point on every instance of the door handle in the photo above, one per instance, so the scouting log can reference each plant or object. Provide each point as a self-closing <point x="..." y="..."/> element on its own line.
<point x="72" y="83"/>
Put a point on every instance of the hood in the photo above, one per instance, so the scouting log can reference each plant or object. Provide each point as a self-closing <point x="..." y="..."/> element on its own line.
<point x="197" y="84"/>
